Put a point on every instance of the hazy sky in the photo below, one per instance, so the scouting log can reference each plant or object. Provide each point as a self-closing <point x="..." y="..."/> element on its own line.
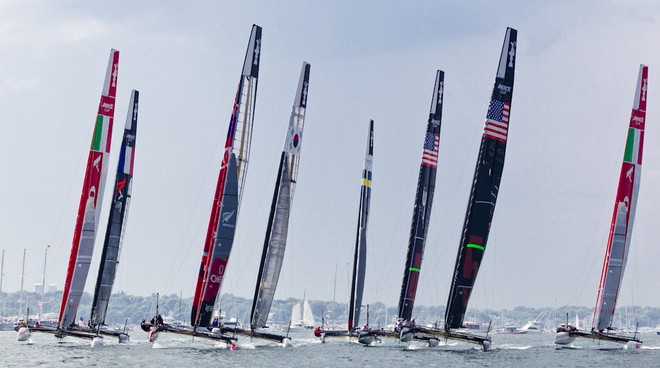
<point x="577" y="66"/>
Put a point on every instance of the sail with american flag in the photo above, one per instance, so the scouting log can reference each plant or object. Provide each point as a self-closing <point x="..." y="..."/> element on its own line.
<point x="423" y="202"/>
<point x="485" y="187"/>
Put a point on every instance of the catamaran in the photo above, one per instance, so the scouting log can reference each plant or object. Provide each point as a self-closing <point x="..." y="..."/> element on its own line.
<point x="272" y="256"/>
<point x="421" y="211"/>
<point x="224" y="211"/>
<point x="88" y="213"/>
<point x="480" y="209"/>
<point x="359" y="257"/>
<point x="619" y="241"/>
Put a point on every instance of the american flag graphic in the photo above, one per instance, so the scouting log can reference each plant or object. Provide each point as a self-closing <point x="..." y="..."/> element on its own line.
<point x="497" y="120"/>
<point x="430" y="153"/>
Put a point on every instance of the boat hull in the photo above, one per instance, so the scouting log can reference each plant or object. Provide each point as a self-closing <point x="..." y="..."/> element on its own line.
<point x="564" y="338"/>
<point x="23" y="334"/>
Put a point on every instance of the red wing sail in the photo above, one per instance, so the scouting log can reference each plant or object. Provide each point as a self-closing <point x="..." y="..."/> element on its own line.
<point x="91" y="198"/>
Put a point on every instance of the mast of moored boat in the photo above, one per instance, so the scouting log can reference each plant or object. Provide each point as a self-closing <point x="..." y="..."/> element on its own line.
<point x="20" y="298"/>
<point x="2" y="270"/>
<point x="43" y="283"/>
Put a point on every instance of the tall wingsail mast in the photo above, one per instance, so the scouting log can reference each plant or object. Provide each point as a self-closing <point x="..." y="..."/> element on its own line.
<point x="485" y="186"/>
<point x="618" y="244"/>
<point x="278" y="221"/>
<point x="121" y="200"/>
<point x="360" y="257"/>
<point x="91" y="198"/>
<point x="239" y="137"/>
<point x="423" y="201"/>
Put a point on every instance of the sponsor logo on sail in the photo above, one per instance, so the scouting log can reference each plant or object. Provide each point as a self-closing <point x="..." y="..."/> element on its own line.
<point x="504" y="89"/>
<point x="120" y="189"/>
<point x="638" y="119"/>
<point x="107" y="106"/>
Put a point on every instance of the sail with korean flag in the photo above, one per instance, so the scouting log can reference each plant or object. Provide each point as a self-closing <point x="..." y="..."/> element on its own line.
<point x="272" y="255"/>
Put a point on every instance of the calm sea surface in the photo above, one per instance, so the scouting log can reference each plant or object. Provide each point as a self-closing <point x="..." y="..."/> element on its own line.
<point x="175" y="351"/>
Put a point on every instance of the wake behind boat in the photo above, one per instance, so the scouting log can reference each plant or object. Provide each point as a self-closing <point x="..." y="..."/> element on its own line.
<point x="618" y="244"/>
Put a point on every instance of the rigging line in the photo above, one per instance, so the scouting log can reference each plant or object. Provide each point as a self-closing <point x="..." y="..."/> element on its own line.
<point x="597" y="246"/>
<point x="65" y="234"/>
<point x="181" y="260"/>
<point x="249" y="251"/>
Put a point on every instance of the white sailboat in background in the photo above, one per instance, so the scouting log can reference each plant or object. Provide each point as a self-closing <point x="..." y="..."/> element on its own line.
<point x="302" y="317"/>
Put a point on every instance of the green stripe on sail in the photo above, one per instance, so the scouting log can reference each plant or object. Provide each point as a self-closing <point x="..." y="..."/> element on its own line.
<point x="630" y="146"/>
<point x="476" y="246"/>
<point x="98" y="133"/>
<point x="413" y="269"/>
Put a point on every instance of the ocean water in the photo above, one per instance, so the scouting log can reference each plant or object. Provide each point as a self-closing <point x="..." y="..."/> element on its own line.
<point x="306" y="351"/>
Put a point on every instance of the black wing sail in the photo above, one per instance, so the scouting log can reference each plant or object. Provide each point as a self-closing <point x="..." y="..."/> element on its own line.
<point x="360" y="257"/>
<point x="485" y="187"/>
<point x="118" y="215"/>
<point x="423" y="202"/>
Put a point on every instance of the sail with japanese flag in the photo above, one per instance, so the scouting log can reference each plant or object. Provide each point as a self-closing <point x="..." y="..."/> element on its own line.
<point x="89" y="209"/>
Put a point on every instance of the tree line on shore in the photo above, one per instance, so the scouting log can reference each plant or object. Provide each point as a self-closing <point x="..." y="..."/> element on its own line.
<point x="135" y="308"/>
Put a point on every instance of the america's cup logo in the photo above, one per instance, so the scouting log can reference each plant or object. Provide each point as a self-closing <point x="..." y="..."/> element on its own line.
<point x="644" y="89"/>
<point x="512" y="53"/>
<point x="304" y="93"/>
<point x="114" y="75"/>
<point x="257" y="46"/>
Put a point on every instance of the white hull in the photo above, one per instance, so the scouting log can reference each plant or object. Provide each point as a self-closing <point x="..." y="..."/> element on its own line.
<point x="564" y="338"/>
<point x="23" y="334"/>
<point x="97" y="341"/>
<point x="633" y="345"/>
